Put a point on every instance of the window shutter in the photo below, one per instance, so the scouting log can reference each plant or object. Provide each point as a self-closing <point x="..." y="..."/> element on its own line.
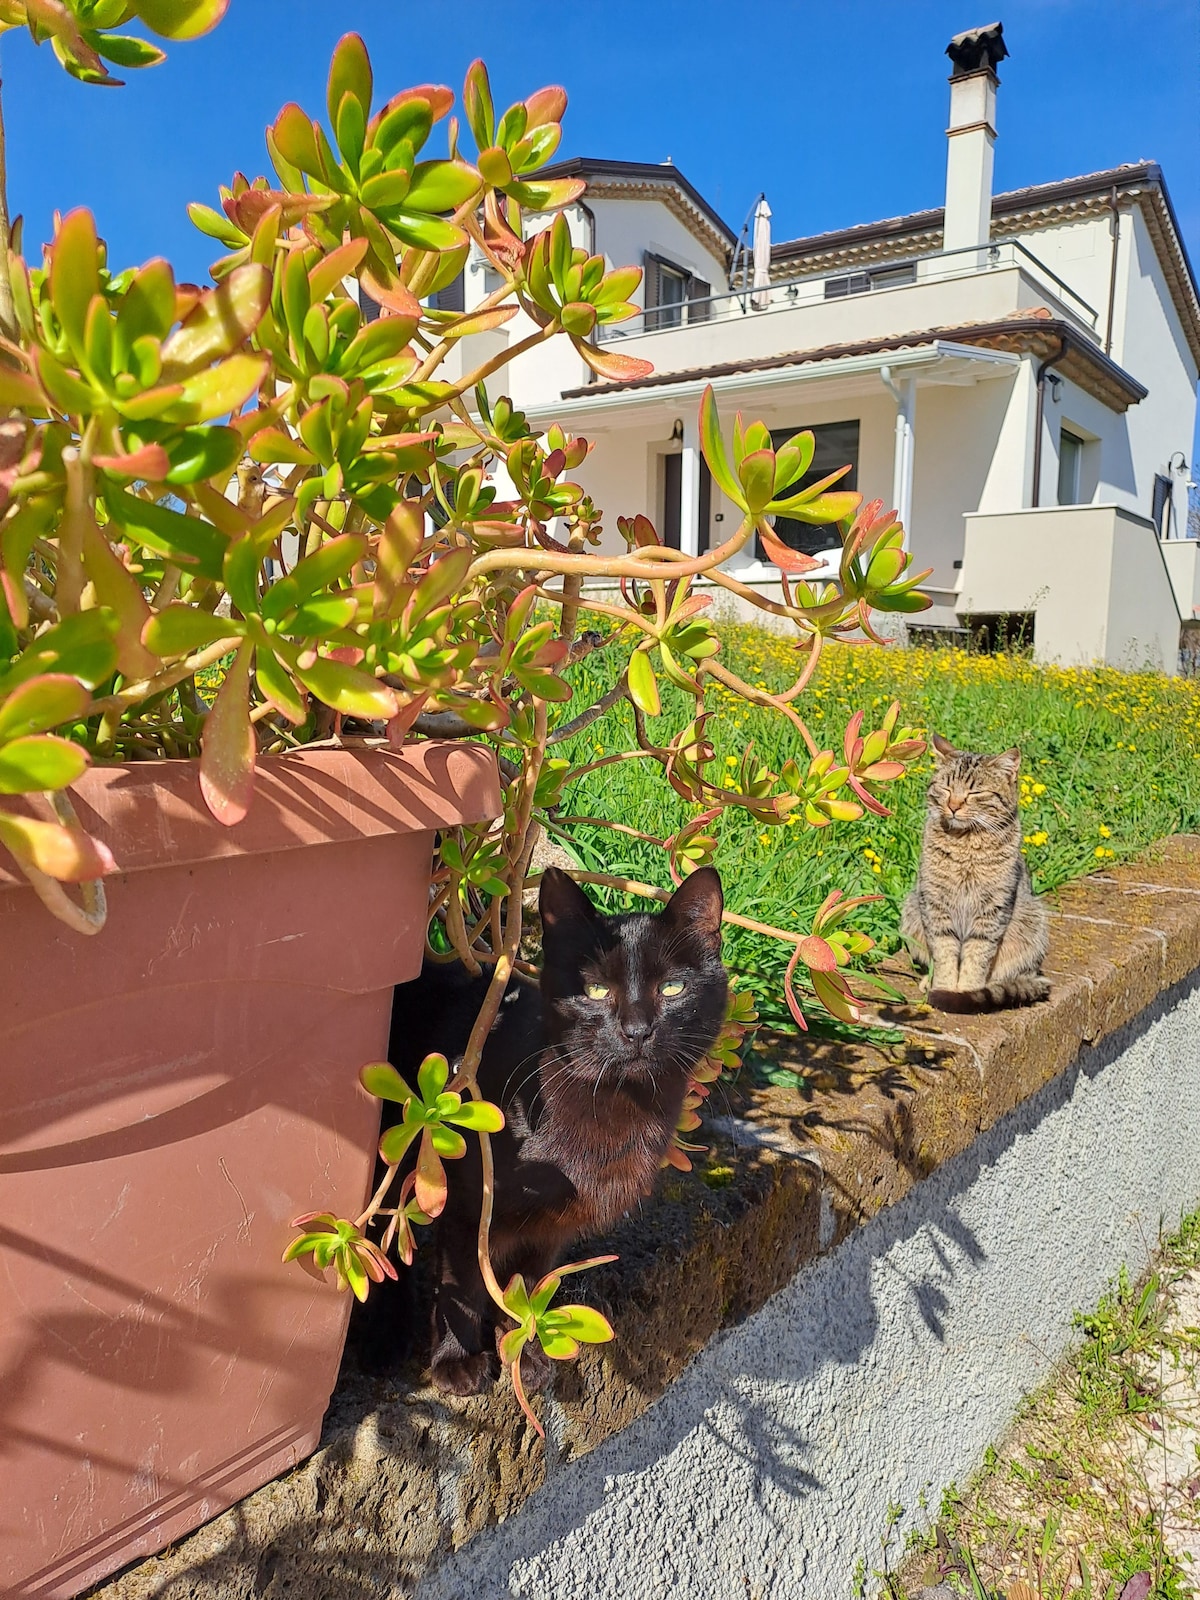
<point x="698" y="302"/>
<point x="370" y="308"/>
<point x="454" y="296"/>
<point x="652" y="286"/>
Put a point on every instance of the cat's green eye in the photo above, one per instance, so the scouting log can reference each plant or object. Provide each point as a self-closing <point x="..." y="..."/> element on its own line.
<point x="670" y="990"/>
<point x="596" y="991"/>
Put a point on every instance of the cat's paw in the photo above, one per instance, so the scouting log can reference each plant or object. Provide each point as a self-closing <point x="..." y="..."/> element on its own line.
<point x="465" y="1374"/>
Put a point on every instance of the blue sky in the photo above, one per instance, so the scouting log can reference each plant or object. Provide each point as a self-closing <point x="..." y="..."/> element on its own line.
<point x="837" y="111"/>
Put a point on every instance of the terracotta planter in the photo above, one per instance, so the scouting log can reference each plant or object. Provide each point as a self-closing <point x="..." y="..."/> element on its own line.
<point x="174" y="1091"/>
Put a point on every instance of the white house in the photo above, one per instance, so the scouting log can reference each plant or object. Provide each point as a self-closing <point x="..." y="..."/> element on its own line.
<point x="1015" y="372"/>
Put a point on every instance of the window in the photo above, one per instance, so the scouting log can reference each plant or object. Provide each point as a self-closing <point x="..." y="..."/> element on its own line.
<point x="673" y="295"/>
<point x="492" y="280"/>
<point x="453" y="297"/>
<point x="1070" y="459"/>
<point x="836" y="446"/>
<point x="890" y="277"/>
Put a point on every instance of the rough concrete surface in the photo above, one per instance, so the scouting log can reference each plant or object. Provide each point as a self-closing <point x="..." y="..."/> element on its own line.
<point x="944" y="1207"/>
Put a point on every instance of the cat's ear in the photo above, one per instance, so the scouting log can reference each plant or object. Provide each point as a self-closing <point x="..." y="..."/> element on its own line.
<point x="943" y="748"/>
<point x="698" y="902"/>
<point x="561" y="900"/>
<point x="1010" y="761"/>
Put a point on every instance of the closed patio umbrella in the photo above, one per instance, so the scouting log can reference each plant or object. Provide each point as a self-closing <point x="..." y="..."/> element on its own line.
<point x="762" y="254"/>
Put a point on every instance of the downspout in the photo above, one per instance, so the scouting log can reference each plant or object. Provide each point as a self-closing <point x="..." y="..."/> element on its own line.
<point x="902" y="473"/>
<point x="1050" y="361"/>
<point x="1115" y="234"/>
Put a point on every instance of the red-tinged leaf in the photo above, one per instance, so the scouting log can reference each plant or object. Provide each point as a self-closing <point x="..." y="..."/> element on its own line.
<point x="393" y="296"/>
<point x="478" y="322"/>
<point x="67" y="854"/>
<point x="151" y="462"/>
<point x="296" y="140"/>
<point x="785" y="558"/>
<point x="40" y="704"/>
<point x="74" y="273"/>
<point x="18" y="390"/>
<point x="610" y="364"/>
<point x="400" y="726"/>
<point x="850" y="740"/>
<point x="338" y="264"/>
<point x="883" y="771"/>
<point x="789" y="993"/>
<point x="1138" y="1587"/>
<point x="382" y="1080"/>
<point x="817" y="955"/>
<point x="430" y="1186"/>
<point x="833" y="997"/>
<point x="228" y="747"/>
<point x="219" y="322"/>
<point x="868" y="800"/>
<point x="118" y="589"/>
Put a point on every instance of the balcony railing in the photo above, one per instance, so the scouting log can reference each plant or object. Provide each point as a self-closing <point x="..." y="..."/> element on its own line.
<point x="881" y="278"/>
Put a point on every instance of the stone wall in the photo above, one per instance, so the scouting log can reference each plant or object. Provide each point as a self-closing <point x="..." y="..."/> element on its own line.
<point x="839" y="1310"/>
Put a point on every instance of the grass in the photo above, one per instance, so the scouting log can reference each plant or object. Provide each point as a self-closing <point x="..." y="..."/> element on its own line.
<point x="1111" y="762"/>
<point x="1077" y="1501"/>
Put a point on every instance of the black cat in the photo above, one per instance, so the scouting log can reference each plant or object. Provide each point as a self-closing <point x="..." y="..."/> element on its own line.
<point x="591" y="1073"/>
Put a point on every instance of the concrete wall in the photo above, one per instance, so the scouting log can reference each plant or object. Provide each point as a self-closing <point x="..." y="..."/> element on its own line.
<point x="883" y="1371"/>
<point x="1094" y="576"/>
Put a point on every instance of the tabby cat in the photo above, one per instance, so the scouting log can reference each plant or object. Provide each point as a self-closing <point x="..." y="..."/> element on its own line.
<point x="973" y="920"/>
<point x="591" y="1069"/>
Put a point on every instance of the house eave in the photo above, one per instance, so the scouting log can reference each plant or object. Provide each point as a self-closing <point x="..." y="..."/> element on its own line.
<point x="1082" y="362"/>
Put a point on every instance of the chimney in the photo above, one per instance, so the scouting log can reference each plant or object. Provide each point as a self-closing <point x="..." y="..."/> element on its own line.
<point x="972" y="135"/>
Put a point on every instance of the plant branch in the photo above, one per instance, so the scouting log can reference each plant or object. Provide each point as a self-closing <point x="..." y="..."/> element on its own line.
<point x="592" y="714"/>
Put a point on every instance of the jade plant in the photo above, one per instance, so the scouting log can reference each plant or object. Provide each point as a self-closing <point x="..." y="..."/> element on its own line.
<point x="259" y="485"/>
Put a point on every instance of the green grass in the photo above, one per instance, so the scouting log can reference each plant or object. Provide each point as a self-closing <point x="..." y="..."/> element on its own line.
<point x="1111" y="762"/>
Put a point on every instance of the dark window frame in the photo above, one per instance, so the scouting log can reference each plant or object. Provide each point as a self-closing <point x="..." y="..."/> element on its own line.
<point x="692" y="305"/>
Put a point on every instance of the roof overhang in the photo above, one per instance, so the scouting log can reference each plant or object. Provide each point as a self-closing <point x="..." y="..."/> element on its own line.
<point x="642" y="180"/>
<point x="941" y="361"/>
<point x="1046" y="338"/>
<point x="1018" y="211"/>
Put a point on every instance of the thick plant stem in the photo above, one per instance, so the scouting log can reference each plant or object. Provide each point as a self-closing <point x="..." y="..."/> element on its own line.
<point x="8" y="318"/>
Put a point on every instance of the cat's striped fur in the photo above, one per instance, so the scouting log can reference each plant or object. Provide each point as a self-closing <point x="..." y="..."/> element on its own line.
<point x="973" y="920"/>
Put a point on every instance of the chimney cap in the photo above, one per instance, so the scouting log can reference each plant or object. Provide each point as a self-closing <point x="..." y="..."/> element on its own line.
<point x="978" y="49"/>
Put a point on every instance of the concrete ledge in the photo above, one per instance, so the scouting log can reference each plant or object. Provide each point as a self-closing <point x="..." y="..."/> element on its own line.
<point x="880" y="1263"/>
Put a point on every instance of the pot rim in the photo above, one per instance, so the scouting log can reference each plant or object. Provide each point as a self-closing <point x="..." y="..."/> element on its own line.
<point x="151" y="814"/>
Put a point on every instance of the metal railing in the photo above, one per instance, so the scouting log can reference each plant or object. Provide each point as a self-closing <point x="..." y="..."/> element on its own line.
<point x="883" y="277"/>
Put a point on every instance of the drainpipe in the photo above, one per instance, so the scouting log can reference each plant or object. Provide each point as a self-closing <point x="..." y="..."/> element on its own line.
<point x="904" y="394"/>
<point x="1050" y="361"/>
<point x="1115" y="234"/>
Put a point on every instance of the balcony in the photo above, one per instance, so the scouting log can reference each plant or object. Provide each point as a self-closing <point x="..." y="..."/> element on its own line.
<point x="945" y="288"/>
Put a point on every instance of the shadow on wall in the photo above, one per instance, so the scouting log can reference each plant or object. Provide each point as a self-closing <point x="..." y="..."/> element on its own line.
<point x="745" y="1454"/>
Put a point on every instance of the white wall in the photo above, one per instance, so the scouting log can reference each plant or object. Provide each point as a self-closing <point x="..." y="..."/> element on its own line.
<point x="1151" y="345"/>
<point x="1093" y="575"/>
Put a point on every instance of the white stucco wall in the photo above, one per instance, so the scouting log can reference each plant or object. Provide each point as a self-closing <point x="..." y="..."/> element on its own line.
<point x="881" y="1373"/>
<point x="1093" y="575"/>
<point x="1151" y="345"/>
